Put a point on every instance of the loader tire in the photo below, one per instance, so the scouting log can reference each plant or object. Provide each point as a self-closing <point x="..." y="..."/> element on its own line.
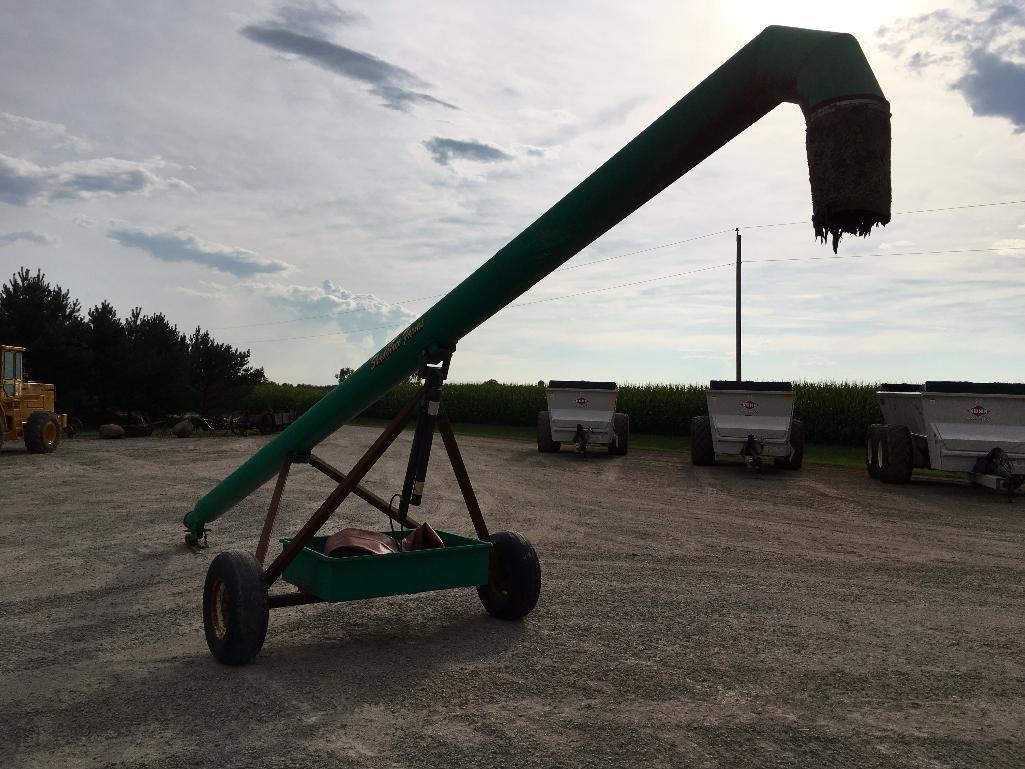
<point x="42" y="432"/>
<point x="702" y="450"/>
<point x="796" y="456"/>
<point x="621" y="428"/>
<point x="514" y="577"/>
<point x="872" y="440"/>
<point x="235" y="607"/>
<point x="545" y="444"/>
<point x="895" y="454"/>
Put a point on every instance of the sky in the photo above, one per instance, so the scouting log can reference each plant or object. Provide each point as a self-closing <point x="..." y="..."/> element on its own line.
<point x="298" y="177"/>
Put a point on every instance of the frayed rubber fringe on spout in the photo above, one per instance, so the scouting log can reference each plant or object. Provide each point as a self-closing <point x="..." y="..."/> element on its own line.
<point x="849" y="167"/>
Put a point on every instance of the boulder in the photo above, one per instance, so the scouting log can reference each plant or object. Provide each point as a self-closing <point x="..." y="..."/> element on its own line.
<point x="183" y="429"/>
<point x="112" y="431"/>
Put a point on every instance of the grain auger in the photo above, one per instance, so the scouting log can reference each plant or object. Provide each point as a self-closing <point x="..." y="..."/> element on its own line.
<point x="848" y="145"/>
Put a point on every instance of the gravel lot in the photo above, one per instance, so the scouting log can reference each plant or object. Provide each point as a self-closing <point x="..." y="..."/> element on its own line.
<point x="689" y="617"/>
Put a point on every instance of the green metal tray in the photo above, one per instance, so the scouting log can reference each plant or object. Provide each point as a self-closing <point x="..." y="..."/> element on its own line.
<point x="462" y="562"/>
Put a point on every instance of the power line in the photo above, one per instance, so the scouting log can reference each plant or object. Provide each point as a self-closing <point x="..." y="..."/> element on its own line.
<point x="346" y="332"/>
<point x="656" y="248"/>
<point x="959" y="208"/>
<point x="623" y="285"/>
<point x="643" y="250"/>
<point x="883" y="253"/>
<point x="438" y="296"/>
<point x="896" y="213"/>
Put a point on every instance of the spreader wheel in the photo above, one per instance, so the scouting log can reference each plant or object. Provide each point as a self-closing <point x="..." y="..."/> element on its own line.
<point x="872" y="440"/>
<point x="545" y="444"/>
<point x="702" y="450"/>
<point x="795" y="459"/>
<point x="621" y="427"/>
<point x="235" y="609"/>
<point x="515" y="577"/>
<point x="895" y="454"/>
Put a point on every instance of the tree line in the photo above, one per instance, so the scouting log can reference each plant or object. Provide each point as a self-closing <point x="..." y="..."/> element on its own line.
<point x="102" y="363"/>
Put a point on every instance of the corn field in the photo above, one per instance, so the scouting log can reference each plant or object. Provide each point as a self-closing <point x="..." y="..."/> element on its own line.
<point x="836" y="413"/>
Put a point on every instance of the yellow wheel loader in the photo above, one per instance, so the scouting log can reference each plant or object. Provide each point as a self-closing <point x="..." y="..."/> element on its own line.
<point x="27" y="408"/>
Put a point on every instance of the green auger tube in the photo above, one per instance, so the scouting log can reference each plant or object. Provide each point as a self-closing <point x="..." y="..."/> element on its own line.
<point x="848" y="142"/>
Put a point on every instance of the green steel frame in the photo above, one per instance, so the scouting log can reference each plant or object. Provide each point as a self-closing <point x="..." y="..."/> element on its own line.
<point x="848" y="142"/>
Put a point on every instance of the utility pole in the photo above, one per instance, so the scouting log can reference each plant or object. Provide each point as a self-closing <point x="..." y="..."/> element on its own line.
<point x="738" y="304"/>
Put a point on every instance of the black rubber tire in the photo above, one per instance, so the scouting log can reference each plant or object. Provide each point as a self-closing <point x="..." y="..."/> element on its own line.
<point x="895" y="454"/>
<point x="515" y="577"/>
<point x="621" y="427"/>
<point x="42" y="432"/>
<point x="702" y="450"/>
<point x="872" y="439"/>
<point x="796" y="458"/>
<point x="235" y="608"/>
<point x="545" y="444"/>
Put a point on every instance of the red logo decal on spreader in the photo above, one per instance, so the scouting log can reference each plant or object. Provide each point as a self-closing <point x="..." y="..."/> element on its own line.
<point x="978" y="411"/>
<point x="749" y="405"/>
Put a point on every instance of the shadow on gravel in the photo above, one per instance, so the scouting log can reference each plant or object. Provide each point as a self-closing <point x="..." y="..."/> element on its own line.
<point x="574" y="456"/>
<point x="199" y="712"/>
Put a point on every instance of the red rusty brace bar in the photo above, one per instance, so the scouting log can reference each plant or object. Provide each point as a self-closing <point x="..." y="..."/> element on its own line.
<point x="349" y="484"/>
<point x="462" y="477"/>
<point x="336" y="497"/>
<point x="272" y="511"/>
<point x="362" y="492"/>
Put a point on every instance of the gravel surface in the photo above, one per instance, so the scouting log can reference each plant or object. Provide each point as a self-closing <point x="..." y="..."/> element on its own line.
<point x="688" y="617"/>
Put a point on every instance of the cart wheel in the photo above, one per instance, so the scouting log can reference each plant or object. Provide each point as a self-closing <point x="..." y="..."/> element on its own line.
<point x="702" y="450"/>
<point x="235" y="609"/>
<point x="875" y="434"/>
<point x="796" y="458"/>
<point x="895" y="454"/>
<point x="545" y="444"/>
<point x="621" y="427"/>
<point x="515" y="577"/>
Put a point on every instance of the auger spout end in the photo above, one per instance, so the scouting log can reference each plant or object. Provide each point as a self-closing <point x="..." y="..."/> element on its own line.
<point x="848" y="145"/>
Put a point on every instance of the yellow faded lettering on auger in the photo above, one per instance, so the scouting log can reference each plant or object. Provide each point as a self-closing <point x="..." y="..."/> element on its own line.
<point x="396" y="343"/>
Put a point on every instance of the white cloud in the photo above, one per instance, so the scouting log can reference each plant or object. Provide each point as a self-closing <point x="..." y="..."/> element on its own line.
<point x="1010" y="246"/>
<point x="207" y="290"/>
<point x="23" y="182"/>
<point x="55" y="134"/>
<point x="183" y="246"/>
<point x="354" y="311"/>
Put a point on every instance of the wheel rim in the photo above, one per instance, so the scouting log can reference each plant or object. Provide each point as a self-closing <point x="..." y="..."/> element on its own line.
<point x="219" y="609"/>
<point x="50" y="433"/>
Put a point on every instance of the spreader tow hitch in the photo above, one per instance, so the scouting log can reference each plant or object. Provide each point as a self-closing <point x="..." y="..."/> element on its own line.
<point x="580" y="439"/>
<point x="752" y="453"/>
<point x="996" y="471"/>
